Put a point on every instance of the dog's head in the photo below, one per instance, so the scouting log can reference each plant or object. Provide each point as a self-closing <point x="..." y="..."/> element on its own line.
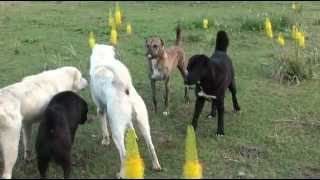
<point x="79" y="82"/>
<point x="222" y="41"/>
<point x="154" y="47"/>
<point x="197" y="69"/>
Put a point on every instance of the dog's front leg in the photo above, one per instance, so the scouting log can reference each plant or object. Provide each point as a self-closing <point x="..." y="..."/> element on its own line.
<point x="153" y="88"/>
<point x="104" y="127"/>
<point x="198" y="108"/>
<point x="27" y="133"/>
<point x="166" y="98"/>
<point x="213" y="109"/>
<point x="220" y="107"/>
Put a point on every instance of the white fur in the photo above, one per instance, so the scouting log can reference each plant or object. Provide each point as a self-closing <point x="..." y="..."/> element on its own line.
<point x="110" y="79"/>
<point x="22" y="104"/>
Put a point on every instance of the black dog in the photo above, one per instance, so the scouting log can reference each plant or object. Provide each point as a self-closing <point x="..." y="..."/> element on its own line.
<point x="56" y="132"/>
<point x="212" y="77"/>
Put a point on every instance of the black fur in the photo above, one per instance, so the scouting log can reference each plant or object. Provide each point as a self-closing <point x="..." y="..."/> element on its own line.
<point x="56" y="132"/>
<point x="213" y="75"/>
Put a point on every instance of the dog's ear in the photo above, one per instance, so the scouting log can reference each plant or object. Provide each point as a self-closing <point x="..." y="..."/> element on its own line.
<point x="162" y="43"/>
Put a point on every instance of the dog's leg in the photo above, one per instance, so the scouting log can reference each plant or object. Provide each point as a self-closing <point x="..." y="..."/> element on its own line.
<point x="104" y="126"/>
<point x="220" y="107"/>
<point x="184" y="74"/>
<point x="198" y="108"/>
<point x="9" y="139"/>
<point x="213" y="109"/>
<point x="66" y="166"/>
<point x="43" y="164"/>
<point x="233" y="91"/>
<point x="166" y="98"/>
<point x="144" y="128"/>
<point x="118" y="138"/>
<point x="153" y="88"/>
<point x="27" y="133"/>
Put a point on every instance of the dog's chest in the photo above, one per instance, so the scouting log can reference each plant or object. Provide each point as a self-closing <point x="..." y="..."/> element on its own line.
<point x="157" y="70"/>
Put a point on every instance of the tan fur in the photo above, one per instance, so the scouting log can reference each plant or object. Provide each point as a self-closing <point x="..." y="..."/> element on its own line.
<point x="163" y="61"/>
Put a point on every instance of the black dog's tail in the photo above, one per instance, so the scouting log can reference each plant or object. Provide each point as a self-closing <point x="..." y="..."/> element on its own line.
<point x="179" y="38"/>
<point x="53" y="121"/>
<point x="222" y="41"/>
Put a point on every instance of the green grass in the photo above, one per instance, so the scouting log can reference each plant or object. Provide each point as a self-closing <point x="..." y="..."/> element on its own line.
<point x="276" y="135"/>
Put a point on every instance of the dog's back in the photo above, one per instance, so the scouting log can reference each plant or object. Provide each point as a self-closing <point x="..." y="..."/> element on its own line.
<point x="56" y="132"/>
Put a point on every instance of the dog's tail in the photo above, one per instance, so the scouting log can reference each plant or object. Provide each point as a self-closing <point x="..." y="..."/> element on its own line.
<point x="179" y="38"/>
<point x="222" y="41"/>
<point x="53" y="120"/>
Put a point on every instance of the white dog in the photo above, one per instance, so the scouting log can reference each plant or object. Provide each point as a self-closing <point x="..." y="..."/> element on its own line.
<point x="115" y="97"/>
<point x="23" y="103"/>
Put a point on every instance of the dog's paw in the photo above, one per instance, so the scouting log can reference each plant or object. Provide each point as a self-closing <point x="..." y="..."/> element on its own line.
<point x="105" y="142"/>
<point x="157" y="168"/>
<point x="120" y="176"/>
<point x="165" y="113"/>
<point x="220" y="134"/>
<point x="28" y="157"/>
<point x="211" y="115"/>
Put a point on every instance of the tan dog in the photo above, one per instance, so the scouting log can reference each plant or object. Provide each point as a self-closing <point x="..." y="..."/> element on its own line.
<point x="162" y="62"/>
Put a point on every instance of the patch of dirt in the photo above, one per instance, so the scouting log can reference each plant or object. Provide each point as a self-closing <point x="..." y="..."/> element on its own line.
<point x="311" y="173"/>
<point x="251" y="152"/>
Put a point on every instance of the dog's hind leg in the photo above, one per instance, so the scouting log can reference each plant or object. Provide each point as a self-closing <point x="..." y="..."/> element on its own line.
<point x="118" y="139"/>
<point x="9" y="139"/>
<point x="144" y="128"/>
<point x="184" y="74"/>
<point x="104" y="126"/>
<point x="27" y="143"/>
<point x="220" y="108"/>
<point x="233" y="91"/>
<point x="66" y="165"/>
<point x="43" y="164"/>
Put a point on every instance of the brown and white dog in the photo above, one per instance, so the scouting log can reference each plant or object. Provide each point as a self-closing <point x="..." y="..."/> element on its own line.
<point x="162" y="62"/>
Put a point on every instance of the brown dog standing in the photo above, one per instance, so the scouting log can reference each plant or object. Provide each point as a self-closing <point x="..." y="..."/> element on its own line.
<point x="162" y="62"/>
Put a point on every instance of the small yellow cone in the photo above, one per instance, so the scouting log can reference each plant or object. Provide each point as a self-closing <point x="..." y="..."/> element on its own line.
<point x="300" y="39"/>
<point x="133" y="165"/>
<point x="205" y="23"/>
<point x="192" y="168"/>
<point x="268" y="28"/>
<point x="114" y="36"/>
<point x="294" y="32"/>
<point x="117" y="15"/>
<point x="91" y="40"/>
<point x="110" y="19"/>
<point x="129" y="28"/>
<point x="280" y="40"/>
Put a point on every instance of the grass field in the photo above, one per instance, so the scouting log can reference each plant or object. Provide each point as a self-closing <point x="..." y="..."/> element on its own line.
<point x="276" y="134"/>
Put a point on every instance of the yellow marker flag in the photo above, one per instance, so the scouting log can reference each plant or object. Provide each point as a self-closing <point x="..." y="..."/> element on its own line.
<point x="268" y="28"/>
<point x="280" y="40"/>
<point x="133" y="165"/>
<point x="300" y="39"/>
<point x="294" y="32"/>
<point x="205" y="23"/>
<point x="91" y="40"/>
<point x="114" y="36"/>
<point x="117" y="15"/>
<point x="192" y="168"/>
<point x="110" y="19"/>
<point x="294" y="6"/>
<point x="129" y="28"/>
